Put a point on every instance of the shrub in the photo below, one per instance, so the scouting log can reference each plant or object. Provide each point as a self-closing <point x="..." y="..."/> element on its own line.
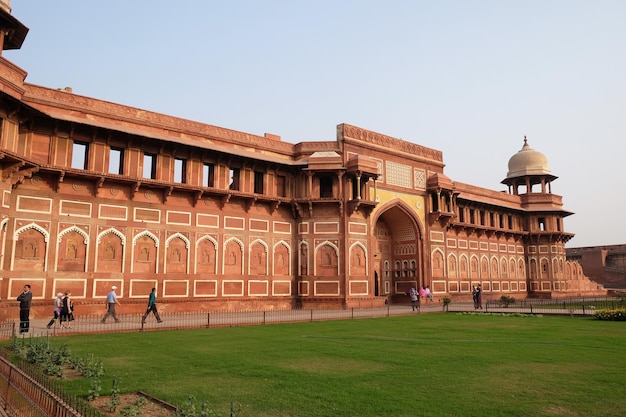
<point x="618" y="314"/>
<point x="506" y="301"/>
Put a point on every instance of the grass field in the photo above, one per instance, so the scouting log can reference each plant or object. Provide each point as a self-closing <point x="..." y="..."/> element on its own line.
<point x="418" y="365"/>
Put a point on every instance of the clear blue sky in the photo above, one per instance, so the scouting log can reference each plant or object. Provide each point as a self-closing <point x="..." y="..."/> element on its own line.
<point x="469" y="78"/>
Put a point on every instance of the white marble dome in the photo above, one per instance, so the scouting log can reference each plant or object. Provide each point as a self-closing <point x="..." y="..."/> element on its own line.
<point x="528" y="161"/>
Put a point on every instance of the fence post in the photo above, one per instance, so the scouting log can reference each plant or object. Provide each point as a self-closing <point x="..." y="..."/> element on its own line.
<point x="264" y="317"/>
<point x="311" y="314"/>
<point x="208" y="320"/>
<point x="352" y="312"/>
<point x="6" y="401"/>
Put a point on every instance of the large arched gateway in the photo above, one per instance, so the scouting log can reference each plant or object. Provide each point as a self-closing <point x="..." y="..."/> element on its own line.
<point x="398" y="251"/>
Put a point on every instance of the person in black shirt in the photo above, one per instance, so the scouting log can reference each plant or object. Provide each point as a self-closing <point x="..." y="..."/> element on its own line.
<point x="25" y="299"/>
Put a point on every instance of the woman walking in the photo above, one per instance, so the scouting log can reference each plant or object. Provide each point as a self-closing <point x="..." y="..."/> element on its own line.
<point x="58" y="305"/>
<point x="67" y="311"/>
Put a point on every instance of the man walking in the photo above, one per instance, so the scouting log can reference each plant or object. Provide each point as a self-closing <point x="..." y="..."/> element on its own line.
<point x="25" y="299"/>
<point x="111" y="301"/>
<point x="152" y="308"/>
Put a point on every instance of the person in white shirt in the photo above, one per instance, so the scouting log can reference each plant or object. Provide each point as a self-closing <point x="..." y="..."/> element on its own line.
<point x="111" y="302"/>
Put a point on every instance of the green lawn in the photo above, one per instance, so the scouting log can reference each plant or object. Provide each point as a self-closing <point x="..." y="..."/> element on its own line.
<point x="418" y="365"/>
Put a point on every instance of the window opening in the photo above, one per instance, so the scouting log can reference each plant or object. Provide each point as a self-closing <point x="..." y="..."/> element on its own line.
<point x="180" y="166"/>
<point x="79" y="155"/>
<point x="233" y="179"/>
<point x="208" y="175"/>
<point x="259" y="178"/>
<point x="149" y="166"/>
<point x="116" y="161"/>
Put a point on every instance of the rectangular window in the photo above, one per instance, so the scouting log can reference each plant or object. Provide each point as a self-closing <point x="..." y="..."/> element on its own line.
<point x="472" y="216"/>
<point x="116" y="161"/>
<point x="79" y="155"/>
<point x="149" y="166"/>
<point x="233" y="179"/>
<point x="326" y="187"/>
<point x="259" y="178"/>
<point x="462" y="214"/>
<point x="542" y="224"/>
<point x="501" y="225"/>
<point x="281" y="186"/>
<point x="180" y="170"/>
<point x="510" y="219"/>
<point x="208" y="175"/>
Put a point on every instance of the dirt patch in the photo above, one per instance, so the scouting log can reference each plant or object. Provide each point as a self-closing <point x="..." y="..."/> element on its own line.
<point x="71" y="374"/>
<point x="143" y="406"/>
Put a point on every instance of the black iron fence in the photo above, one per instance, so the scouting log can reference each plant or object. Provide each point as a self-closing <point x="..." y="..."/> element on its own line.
<point x="579" y="306"/>
<point x="26" y="392"/>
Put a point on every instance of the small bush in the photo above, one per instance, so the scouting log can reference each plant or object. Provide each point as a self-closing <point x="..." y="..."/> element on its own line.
<point x="618" y="314"/>
<point x="506" y="301"/>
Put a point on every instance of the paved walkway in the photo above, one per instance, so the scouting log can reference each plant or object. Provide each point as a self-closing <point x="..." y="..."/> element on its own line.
<point x="132" y="322"/>
<point x="206" y="319"/>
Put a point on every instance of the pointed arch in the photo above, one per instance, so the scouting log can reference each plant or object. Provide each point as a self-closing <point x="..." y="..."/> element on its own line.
<point x="30" y="252"/>
<point x="145" y="257"/>
<point x="326" y="258"/>
<point x="494" y="270"/>
<point x="406" y="208"/>
<point x="146" y="233"/>
<point x="544" y="268"/>
<point x="521" y="270"/>
<point x="555" y="268"/>
<point x="206" y="255"/>
<point x="72" y="254"/>
<point x="533" y="269"/>
<point x="452" y="266"/>
<point x="111" y="246"/>
<point x="474" y="267"/>
<point x="232" y="253"/>
<point x="400" y="241"/>
<point x="484" y="267"/>
<point x="281" y="259"/>
<point x="258" y="261"/>
<point x="504" y="268"/>
<point x="73" y="229"/>
<point x="358" y="265"/>
<point x="35" y="226"/>
<point x="438" y="263"/>
<point x="175" y="256"/>
<point x="568" y="270"/>
<point x="464" y="267"/>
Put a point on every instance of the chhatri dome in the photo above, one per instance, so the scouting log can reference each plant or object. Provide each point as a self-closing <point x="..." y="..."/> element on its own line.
<point x="527" y="161"/>
<point x="527" y="168"/>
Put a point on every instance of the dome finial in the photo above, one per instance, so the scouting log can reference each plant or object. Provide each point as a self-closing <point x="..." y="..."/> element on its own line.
<point x="525" y="141"/>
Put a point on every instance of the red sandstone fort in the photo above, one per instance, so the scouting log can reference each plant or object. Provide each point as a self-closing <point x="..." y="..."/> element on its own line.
<point x="96" y="194"/>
